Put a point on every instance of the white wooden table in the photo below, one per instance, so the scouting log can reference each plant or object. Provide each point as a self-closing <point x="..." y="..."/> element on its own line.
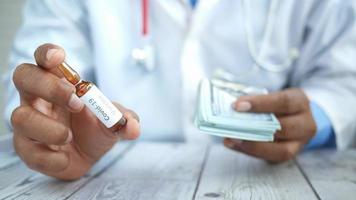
<point x="186" y="171"/>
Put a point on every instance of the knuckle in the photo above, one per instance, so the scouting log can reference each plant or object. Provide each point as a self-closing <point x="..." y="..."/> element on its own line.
<point x="60" y="135"/>
<point x="304" y="105"/>
<point x="31" y="114"/>
<point x="24" y="75"/>
<point x="282" y="133"/>
<point x="17" y="76"/>
<point x="300" y="98"/>
<point x="52" y="89"/>
<point x="304" y="101"/>
<point x="284" y="96"/>
<point x="286" y="100"/>
<point x="58" y="90"/>
<point x="288" y="153"/>
<point x="18" y="116"/>
<point x="38" y="162"/>
<point x="256" y="103"/>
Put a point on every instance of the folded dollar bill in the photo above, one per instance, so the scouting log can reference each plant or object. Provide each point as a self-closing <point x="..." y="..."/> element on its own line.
<point x="216" y="116"/>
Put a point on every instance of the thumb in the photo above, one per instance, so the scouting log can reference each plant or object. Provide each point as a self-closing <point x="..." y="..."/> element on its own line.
<point x="131" y="129"/>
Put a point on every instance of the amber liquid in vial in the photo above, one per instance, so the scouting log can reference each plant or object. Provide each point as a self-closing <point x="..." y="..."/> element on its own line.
<point x="107" y="113"/>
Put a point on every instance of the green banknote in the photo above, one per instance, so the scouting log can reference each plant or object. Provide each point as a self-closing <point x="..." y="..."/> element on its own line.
<point x="216" y="116"/>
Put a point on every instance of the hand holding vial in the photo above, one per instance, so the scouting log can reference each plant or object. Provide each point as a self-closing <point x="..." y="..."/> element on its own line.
<point x="57" y="134"/>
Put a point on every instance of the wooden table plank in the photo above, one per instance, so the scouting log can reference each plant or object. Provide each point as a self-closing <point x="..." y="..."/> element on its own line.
<point x="331" y="173"/>
<point x="232" y="175"/>
<point x="27" y="184"/>
<point x="150" y="171"/>
<point x="172" y="171"/>
<point x="11" y="170"/>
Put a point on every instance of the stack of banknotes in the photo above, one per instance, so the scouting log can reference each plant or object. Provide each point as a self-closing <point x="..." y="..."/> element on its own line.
<point x="216" y="116"/>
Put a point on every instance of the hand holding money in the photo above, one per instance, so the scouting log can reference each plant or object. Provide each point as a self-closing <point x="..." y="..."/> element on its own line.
<point x="216" y="116"/>
<point x="298" y="126"/>
<point x="273" y="126"/>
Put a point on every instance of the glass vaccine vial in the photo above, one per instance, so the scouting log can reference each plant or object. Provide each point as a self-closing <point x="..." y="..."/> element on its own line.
<point x="92" y="97"/>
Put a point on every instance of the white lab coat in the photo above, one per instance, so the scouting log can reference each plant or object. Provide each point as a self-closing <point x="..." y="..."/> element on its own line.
<point x="98" y="37"/>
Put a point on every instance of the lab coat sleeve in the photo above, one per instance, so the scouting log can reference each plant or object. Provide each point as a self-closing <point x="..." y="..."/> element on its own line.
<point x="326" y="70"/>
<point x="60" y="22"/>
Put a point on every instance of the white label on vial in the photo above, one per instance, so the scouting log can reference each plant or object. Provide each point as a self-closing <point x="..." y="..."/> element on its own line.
<point x="107" y="113"/>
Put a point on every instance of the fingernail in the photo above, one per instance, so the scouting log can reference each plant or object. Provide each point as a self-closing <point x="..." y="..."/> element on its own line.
<point x="233" y="143"/>
<point x="50" y="53"/>
<point x="229" y="144"/>
<point x="75" y="103"/>
<point x="243" y="106"/>
<point x="69" y="138"/>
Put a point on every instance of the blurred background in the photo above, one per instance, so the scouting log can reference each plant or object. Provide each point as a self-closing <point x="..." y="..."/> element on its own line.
<point x="10" y="20"/>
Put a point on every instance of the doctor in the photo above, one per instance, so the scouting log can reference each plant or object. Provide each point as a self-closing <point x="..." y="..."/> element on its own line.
<point x="150" y="56"/>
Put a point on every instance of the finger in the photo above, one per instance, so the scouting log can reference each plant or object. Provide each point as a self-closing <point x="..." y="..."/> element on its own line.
<point x="128" y="131"/>
<point x="296" y="127"/>
<point x="38" y="157"/>
<point x="32" y="81"/>
<point x="122" y="109"/>
<point x="284" y="102"/>
<point x="49" y="57"/>
<point x="131" y="130"/>
<point x="270" y="151"/>
<point x="34" y="125"/>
